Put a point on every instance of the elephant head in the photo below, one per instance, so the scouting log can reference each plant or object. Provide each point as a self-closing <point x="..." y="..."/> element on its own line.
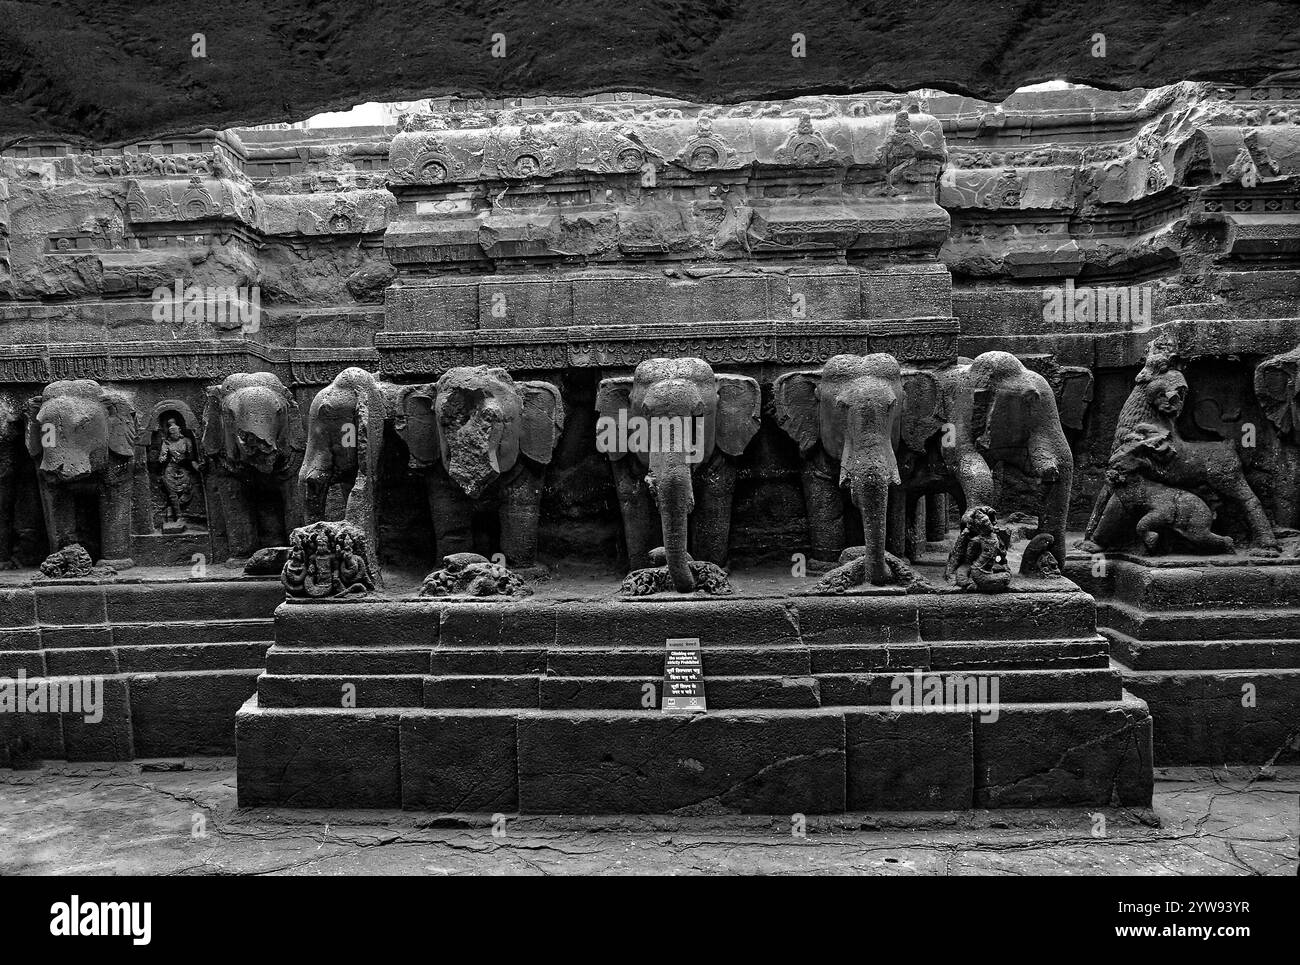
<point x="252" y="422"/>
<point x="77" y="429"/>
<point x="345" y="431"/>
<point x="853" y="410"/>
<point x="476" y="421"/>
<point x="1278" y="392"/>
<point x="678" y="413"/>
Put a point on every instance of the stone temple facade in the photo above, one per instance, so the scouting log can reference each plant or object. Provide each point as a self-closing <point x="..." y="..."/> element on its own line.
<point x="1096" y="237"/>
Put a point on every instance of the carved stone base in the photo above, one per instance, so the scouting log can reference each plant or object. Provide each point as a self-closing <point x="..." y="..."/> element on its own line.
<point x="851" y="574"/>
<point x="470" y="576"/>
<point x="709" y="578"/>
<point x="551" y="705"/>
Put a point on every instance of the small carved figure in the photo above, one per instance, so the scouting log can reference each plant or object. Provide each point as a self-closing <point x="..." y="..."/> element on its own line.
<point x="978" y="561"/>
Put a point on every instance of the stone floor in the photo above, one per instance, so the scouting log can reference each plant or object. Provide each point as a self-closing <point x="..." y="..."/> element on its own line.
<point x="179" y="817"/>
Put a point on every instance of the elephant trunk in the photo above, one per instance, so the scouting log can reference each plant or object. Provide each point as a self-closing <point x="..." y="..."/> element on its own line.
<point x="868" y="481"/>
<point x="314" y="486"/>
<point x="676" y="500"/>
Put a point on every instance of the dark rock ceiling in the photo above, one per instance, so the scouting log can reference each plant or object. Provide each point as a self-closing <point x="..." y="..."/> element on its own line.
<point x="111" y="71"/>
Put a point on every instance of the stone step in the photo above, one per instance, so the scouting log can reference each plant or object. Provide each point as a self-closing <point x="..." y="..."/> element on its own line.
<point x="626" y="692"/>
<point x="1204" y="654"/>
<point x="74" y="603"/>
<point x="780" y="762"/>
<point x="79" y="636"/>
<point x="1270" y="624"/>
<point x="719" y="661"/>
<point x="720" y="621"/>
<point x="1219" y="583"/>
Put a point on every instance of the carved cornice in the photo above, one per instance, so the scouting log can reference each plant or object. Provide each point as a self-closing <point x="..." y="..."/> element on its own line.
<point x="604" y="346"/>
<point x="203" y="360"/>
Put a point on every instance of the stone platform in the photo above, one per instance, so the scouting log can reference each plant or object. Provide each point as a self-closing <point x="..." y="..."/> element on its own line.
<point x="176" y="655"/>
<point x="550" y="705"/>
<point x="1212" y="644"/>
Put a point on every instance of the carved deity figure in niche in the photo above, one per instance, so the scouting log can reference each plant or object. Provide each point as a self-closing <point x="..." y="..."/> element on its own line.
<point x="179" y="472"/>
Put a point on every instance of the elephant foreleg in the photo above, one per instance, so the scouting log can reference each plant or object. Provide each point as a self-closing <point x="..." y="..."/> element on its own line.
<point x="641" y="530"/>
<point x="824" y="506"/>
<point x="8" y="498"/>
<point x="241" y="520"/>
<point x="519" y="512"/>
<point x="452" y="514"/>
<point x="711" y="521"/>
<point x="115" y="517"/>
<point x="60" y="516"/>
<point x="936" y="517"/>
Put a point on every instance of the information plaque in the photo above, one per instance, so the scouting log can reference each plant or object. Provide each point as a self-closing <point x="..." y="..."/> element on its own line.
<point x="684" y="677"/>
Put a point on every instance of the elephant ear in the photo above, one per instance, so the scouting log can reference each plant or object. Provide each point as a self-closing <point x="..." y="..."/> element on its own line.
<point x="123" y="426"/>
<point x="1275" y="388"/>
<point x="33" y="428"/>
<point x="614" y="396"/>
<point x="797" y="410"/>
<point x="417" y="424"/>
<point x="1075" y="395"/>
<point x="543" y="419"/>
<point x="924" y="414"/>
<point x="740" y="404"/>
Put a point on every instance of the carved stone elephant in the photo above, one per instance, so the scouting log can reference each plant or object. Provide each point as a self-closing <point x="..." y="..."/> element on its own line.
<point x="847" y="422"/>
<point x="253" y="435"/>
<point x="84" y="436"/>
<point x="693" y="478"/>
<point x="960" y="420"/>
<point x="345" y="441"/>
<point x="482" y="438"/>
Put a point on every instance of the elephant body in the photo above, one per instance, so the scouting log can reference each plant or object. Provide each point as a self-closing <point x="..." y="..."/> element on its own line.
<point x="253" y="434"/>
<point x="847" y="421"/>
<point x="692" y="481"/>
<point x="345" y="439"/>
<point x="955" y="422"/>
<point x="483" y="440"/>
<point x="83" y="436"/>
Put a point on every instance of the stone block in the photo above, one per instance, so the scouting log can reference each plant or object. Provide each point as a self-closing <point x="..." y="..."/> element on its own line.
<point x="749" y="762"/>
<point x="177" y="714"/>
<point x="909" y="760"/>
<point x="1065" y="755"/>
<point x="317" y="758"/>
<point x="458" y="761"/>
